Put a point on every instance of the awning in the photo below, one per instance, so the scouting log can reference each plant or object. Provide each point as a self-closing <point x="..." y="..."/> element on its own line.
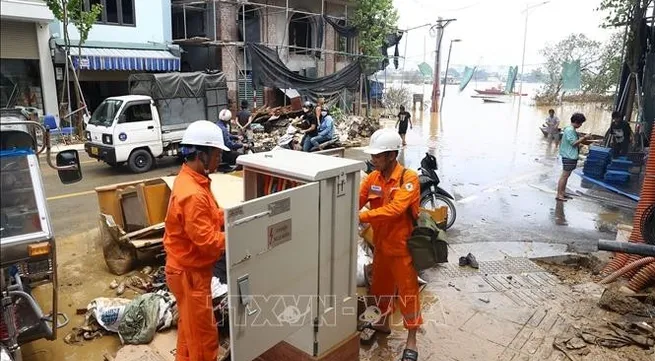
<point x="125" y="60"/>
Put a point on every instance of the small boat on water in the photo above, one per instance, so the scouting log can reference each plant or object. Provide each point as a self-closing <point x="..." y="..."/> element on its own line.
<point x="496" y="91"/>
<point x="494" y="100"/>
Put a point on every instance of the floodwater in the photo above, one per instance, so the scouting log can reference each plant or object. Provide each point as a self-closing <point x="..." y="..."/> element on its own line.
<point x="503" y="173"/>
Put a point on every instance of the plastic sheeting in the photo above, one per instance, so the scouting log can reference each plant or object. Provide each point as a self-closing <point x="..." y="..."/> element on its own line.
<point x="175" y="85"/>
<point x="466" y="78"/>
<point x="269" y="71"/>
<point x="341" y="28"/>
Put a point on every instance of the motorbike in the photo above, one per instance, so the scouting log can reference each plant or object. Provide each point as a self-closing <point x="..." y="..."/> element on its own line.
<point x="432" y="195"/>
<point x="290" y="141"/>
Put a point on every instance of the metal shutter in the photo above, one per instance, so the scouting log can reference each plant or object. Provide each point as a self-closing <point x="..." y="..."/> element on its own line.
<point x="18" y="40"/>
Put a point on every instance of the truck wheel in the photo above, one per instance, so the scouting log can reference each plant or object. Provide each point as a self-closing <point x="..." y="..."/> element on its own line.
<point x="140" y="161"/>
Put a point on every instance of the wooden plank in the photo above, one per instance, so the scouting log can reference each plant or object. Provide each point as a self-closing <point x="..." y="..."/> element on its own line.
<point x="146" y="242"/>
<point x="143" y="232"/>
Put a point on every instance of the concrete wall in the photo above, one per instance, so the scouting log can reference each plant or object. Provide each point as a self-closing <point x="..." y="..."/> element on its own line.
<point x="35" y="11"/>
<point x="25" y="10"/>
<point x="153" y="25"/>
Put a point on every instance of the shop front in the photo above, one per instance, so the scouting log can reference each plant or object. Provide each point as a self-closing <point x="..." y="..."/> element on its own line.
<point x="26" y="71"/>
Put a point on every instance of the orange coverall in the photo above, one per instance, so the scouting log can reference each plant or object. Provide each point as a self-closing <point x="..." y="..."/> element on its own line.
<point x="193" y="241"/>
<point x="389" y="216"/>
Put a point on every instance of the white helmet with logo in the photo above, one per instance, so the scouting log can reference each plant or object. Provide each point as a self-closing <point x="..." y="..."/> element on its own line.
<point x="225" y="115"/>
<point x="384" y="140"/>
<point x="205" y="134"/>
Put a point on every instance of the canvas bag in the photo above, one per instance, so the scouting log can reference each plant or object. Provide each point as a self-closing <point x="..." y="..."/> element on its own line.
<point x="427" y="242"/>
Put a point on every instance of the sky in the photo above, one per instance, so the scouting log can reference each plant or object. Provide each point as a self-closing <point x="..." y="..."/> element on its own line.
<point x="491" y="31"/>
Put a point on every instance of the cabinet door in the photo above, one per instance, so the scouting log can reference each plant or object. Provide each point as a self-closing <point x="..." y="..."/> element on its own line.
<point x="272" y="258"/>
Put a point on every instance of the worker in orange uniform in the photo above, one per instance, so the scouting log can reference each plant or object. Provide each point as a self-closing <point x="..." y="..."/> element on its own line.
<point x="393" y="194"/>
<point x="194" y="241"/>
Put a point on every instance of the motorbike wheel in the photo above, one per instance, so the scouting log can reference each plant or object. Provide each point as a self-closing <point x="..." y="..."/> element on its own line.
<point x="434" y="201"/>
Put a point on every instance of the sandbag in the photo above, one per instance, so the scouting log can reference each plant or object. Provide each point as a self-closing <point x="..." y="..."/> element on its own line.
<point x="107" y="311"/>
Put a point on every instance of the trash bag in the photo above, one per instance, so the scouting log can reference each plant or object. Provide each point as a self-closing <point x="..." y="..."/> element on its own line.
<point x="427" y="244"/>
<point x="146" y="315"/>
<point x="363" y="259"/>
<point x="120" y="258"/>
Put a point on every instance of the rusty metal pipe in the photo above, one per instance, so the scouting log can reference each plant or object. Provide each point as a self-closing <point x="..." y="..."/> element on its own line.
<point x="641" y="249"/>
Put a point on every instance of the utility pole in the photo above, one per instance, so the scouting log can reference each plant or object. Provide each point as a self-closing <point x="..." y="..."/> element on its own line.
<point x="440" y="26"/>
<point x="525" y="40"/>
<point x="445" y="79"/>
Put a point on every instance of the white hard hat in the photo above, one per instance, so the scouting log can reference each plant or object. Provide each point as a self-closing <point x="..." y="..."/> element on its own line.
<point x="384" y="140"/>
<point x="225" y="115"/>
<point x="204" y="133"/>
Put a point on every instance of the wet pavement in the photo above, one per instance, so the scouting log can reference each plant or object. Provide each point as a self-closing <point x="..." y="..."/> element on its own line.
<point x="503" y="175"/>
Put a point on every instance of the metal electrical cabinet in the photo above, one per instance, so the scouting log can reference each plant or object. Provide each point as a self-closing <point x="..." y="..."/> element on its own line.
<point x="292" y="254"/>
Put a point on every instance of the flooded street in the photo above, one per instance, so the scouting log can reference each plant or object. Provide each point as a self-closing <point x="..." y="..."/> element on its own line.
<point x="503" y="172"/>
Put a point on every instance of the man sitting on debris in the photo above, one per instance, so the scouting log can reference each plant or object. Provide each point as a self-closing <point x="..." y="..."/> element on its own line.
<point x="311" y="122"/>
<point x="231" y="141"/>
<point x="194" y="241"/>
<point x="393" y="195"/>
<point x="325" y="130"/>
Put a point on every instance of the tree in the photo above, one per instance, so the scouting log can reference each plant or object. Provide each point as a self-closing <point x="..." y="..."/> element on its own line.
<point x="72" y="12"/>
<point x="574" y="47"/>
<point x="616" y="11"/>
<point x="602" y="78"/>
<point x="375" y="19"/>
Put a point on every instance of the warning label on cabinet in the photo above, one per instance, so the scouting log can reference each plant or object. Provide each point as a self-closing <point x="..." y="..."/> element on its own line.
<point x="279" y="233"/>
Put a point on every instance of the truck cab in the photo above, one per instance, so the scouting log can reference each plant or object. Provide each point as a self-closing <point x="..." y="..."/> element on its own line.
<point x="125" y="129"/>
<point x="27" y="243"/>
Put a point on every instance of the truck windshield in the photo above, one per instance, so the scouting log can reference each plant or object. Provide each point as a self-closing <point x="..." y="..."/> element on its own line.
<point x="106" y="112"/>
<point x="18" y="207"/>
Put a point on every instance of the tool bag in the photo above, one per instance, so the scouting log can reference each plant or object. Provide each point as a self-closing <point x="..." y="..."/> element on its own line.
<point x="427" y="242"/>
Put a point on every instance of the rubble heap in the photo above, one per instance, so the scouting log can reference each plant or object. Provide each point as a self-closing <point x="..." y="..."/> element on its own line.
<point x="269" y="124"/>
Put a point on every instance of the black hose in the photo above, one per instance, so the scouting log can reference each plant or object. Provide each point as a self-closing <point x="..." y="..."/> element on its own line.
<point x="648" y="225"/>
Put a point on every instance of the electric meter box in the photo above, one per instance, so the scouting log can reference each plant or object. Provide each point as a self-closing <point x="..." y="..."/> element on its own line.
<point x="292" y="253"/>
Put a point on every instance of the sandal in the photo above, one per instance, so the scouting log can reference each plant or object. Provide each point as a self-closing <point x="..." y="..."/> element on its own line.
<point x="367" y="333"/>
<point x="409" y="355"/>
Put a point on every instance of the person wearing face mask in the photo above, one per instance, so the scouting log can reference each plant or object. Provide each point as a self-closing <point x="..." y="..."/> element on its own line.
<point x="194" y="240"/>
<point x="311" y="123"/>
<point x="325" y="130"/>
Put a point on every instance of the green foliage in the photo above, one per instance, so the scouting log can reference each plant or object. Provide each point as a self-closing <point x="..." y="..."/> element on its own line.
<point x="616" y="11"/>
<point x="337" y="114"/>
<point x="600" y="63"/>
<point x="393" y="98"/>
<point x="75" y="14"/>
<point x="375" y="19"/>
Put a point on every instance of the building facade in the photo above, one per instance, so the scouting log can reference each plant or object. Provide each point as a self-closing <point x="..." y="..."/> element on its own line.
<point x="211" y="34"/>
<point x="130" y="36"/>
<point x="26" y="70"/>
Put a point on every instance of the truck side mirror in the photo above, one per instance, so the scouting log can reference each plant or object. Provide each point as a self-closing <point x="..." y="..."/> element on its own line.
<point x="68" y="158"/>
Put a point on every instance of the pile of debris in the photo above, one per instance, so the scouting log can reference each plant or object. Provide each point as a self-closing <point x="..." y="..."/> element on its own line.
<point x="269" y="124"/>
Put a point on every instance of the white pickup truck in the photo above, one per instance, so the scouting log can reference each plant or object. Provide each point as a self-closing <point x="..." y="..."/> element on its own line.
<point x="148" y="124"/>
